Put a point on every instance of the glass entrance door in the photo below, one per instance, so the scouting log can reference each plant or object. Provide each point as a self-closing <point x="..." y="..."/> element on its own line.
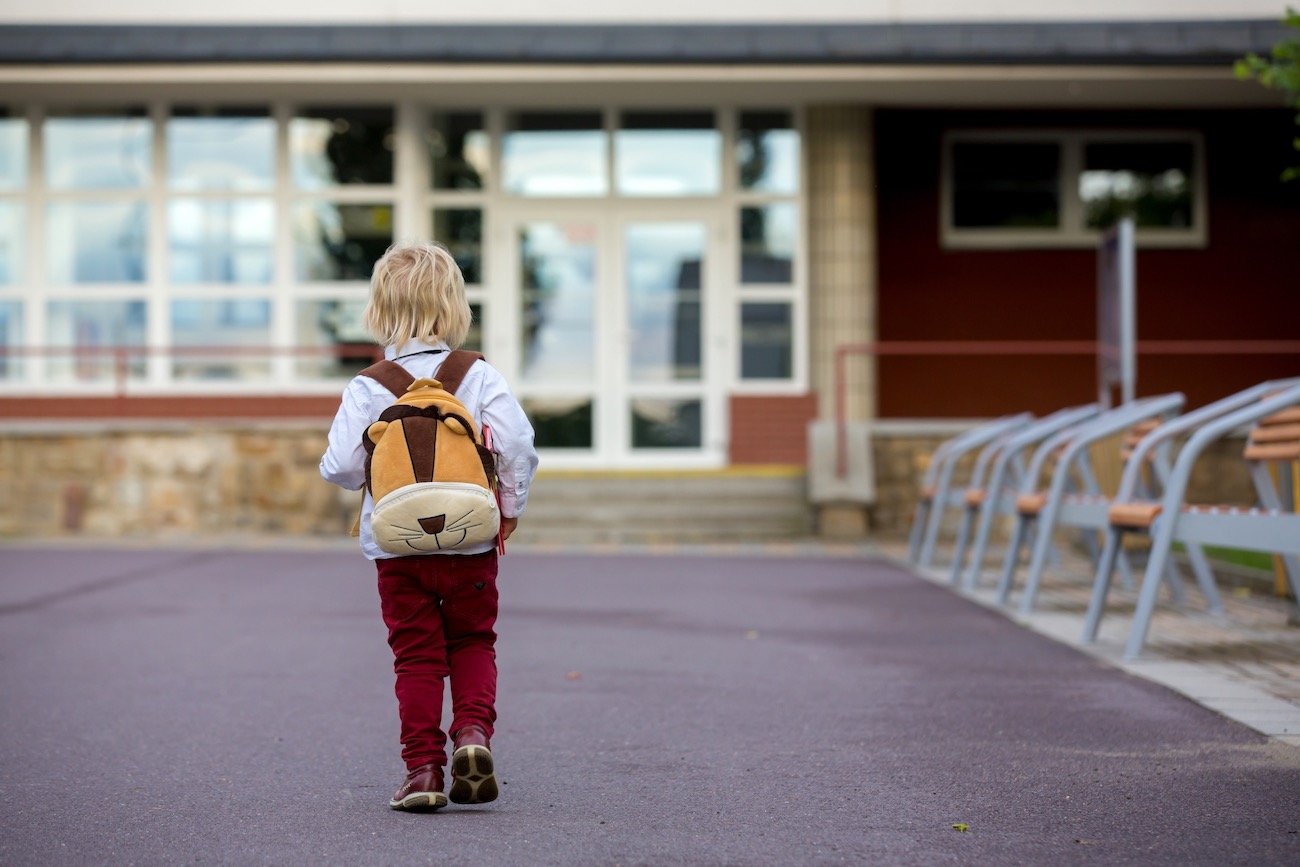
<point x="613" y="338"/>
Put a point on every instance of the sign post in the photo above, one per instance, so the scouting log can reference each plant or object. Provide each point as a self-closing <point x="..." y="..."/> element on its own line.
<point x="1117" y="314"/>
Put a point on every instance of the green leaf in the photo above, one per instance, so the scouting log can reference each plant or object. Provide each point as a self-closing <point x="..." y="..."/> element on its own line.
<point x="960" y="826"/>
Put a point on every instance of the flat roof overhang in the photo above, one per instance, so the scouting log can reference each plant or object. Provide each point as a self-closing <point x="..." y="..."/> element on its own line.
<point x="1060" y="65"/>
<point x="1055" y="87"/>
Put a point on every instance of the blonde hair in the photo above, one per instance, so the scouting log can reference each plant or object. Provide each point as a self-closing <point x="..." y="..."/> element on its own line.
<point x="417" y="293"/>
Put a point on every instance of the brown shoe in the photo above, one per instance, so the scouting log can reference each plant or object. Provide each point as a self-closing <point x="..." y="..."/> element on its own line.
<point x="421" y="790"/>
<point x="472" y="779"/>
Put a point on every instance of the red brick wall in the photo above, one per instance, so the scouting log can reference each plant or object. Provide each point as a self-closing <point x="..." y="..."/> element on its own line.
<point x="1244" y="285"/>
<point x="771" y="430"/>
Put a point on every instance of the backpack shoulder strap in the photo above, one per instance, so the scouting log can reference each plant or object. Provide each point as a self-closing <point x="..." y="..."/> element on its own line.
<point x="453" y="369"/>
<point x="390" y="375"/>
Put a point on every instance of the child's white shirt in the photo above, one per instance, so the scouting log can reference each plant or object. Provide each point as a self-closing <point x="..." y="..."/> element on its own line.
<point x="485" y="394"/>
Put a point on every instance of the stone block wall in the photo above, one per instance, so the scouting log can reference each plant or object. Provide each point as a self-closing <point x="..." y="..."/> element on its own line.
<point x="212" y="480"/>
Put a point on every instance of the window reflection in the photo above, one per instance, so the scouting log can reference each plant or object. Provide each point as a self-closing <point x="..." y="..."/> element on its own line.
<point x="460" y="151"/>
<point x="767" y="241"/>
<point x="560" y="423"/>
<point x="334" y="324"/>
<point x="767" y="152"/>
<point x="558" y="265"/>
<point x="474" y="338"/>
<point x="668" y="154"/>
<point x="11" y="334"/>
<point x="91" y="324"/>
<point x="555" y="154"/>
<point x="243" y="323"/>
<point x="340" y="242"/>
<point x="1150" y="180"/>
<point x="461" y="231"/>
<point x="330" y="146"/>
<point x="221" y="241"/>
<point x="13" y="153"/>
<point x="13" y="242"/>
<point x="96" y="242"/>
<point x="766" y="341"/>
<point x="1006" y="185"/>
<point x="664" y="271"/>
<point x="667" y="424"/>
<point x="97" y="153"/>
<point x="229" y="152"/>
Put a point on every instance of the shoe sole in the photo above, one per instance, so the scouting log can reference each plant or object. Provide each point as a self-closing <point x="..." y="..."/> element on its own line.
<point x="420" y="802"/>
<point x="473" y="780"/>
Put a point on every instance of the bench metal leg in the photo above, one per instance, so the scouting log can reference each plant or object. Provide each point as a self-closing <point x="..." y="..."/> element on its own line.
<point x="918" y="527"/>
<point x="1112" y="551"/>
<point x="959" y="546"/>
<point x="1205" y="578"/>
<point x="1012" y="555"/>
<point x="1161" y="543"/>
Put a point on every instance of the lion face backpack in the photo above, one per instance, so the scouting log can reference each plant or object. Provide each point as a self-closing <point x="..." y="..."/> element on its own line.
<point x="429" y="468"/>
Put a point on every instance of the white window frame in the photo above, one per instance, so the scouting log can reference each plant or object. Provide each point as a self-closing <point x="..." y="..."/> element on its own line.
<point x="1071" y="233"/>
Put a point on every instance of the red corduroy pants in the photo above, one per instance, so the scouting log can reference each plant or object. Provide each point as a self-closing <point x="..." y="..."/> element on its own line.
<point x="440" y="610"/>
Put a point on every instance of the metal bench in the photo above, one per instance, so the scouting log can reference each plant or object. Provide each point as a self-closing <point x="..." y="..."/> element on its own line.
<point x="1041" y="508"/>
<point x="997" y="497"/>
<point x="937" y="489"/>
<point x="1273" y="527"/>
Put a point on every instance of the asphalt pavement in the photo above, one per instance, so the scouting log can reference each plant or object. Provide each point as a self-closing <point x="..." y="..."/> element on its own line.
<point x="168" y="706"/>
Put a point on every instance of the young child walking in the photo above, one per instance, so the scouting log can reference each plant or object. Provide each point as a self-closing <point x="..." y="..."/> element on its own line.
<point x="441" y="608"/>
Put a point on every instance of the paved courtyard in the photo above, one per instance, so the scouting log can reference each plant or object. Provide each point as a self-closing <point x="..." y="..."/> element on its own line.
<point x="165" y="706"/>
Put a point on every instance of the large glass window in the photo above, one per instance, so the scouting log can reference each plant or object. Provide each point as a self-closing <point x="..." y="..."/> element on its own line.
<point x="766" y="341"/>
<point x="13" y="241"/>
<point x="221" y="240"/>
<point x="333" y="340"/>
<point x="668" y="154"/>
<point x="97" y="337"/>
<point x="1006" y="184"/>
<point x="767" y="152"/>
<point x="1150" y="180"/>
<point x="555" y="154"/>
<point x="333" y="146"/>
<point x="558" y="279"/>
<point x="561" y="423"/>
<point x="240" y="327"/>
<point x="340" y="241"/>
<point x="767" y="242"/>
<point x="11" y="335"/>
<point x="97" y="152"/>
<point x="461" y="231"/>
<point x="96" y="242"/>
<point x="1047" y="189"/>
<point x="225" y="151"/>
<point x="667" y="424"/>
<point x="460" y="151"/>
<point x="664" y="264"/>
<point x="13" y="153"/>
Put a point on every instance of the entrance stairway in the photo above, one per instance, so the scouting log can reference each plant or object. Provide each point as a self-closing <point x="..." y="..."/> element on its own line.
<point x="733" y="505"/>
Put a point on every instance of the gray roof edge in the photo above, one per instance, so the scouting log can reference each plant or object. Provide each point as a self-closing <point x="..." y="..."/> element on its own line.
<point x="1023" y="43"/>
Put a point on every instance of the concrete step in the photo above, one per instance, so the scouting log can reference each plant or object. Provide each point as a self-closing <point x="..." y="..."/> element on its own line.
<point x="728" y="506"/>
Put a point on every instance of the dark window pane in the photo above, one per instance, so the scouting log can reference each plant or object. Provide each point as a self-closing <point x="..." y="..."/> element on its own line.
<point x="474" y="337"/>
<point x="1006" y="185"/>
<point x="1152" y="181"/>
<point x="334" y="328"/>
<point x="340" y="242"/>
<point x="767" y="152"/>
<point x="766" y="341"/>
<point x="767" y="235"/>
<point x="667" y="424"/>
<point x="332" y="146"/>
<point x="461" y="231"/>
<point x="459" y="151"/>
<point x="560" y="423"/>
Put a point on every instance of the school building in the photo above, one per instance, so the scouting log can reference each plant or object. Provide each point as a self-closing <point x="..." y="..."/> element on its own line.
<point x="667" y="230"/>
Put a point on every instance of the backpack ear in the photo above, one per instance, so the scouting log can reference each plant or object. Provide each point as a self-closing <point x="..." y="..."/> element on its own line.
<point x="375" y="433"/>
